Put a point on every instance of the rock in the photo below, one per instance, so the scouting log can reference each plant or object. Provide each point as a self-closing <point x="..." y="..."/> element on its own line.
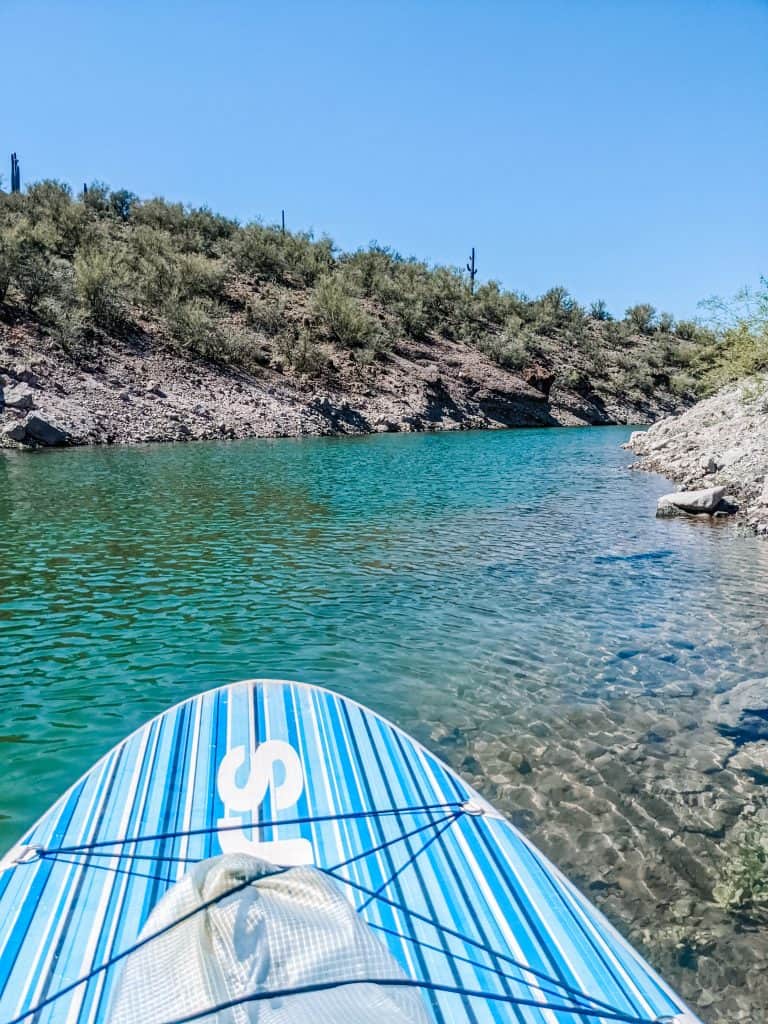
<point x="14" y="431"/>
<point x="125" y="396"/>
<point x="752" y="758"/>
<point x="40" y="431"/>
<point x="25" y="375"/>
<point x="764" y="493"/>
<point x="741" y="714"/>
<point x="153" y="388"/>
<point x="540" y="378"/>
<point x="732" y="455"/>
<point x="708" y="464"/>
<point x="690" y="502"/>
<point x="21" y="396"/>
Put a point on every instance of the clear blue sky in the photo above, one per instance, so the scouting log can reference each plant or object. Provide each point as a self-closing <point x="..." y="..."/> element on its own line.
<point x="619" y="148"/>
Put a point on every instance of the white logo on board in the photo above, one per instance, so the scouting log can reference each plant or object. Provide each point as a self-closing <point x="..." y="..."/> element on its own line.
<point x="248" y="798"/>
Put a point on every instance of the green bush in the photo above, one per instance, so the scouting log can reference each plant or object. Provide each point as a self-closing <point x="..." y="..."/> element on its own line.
<point x="198" y="276"/>
<point x="100" y="286"/>
<point x="641" y="318"/>
<point x="301" y="352"/>
<point x="267" y="315"/>
<point x="599" y="311"/>
<point x="342" y="314"/>
<point x="268" y="253"/>
<point x="35" y="274"/>
<point x="193" y="325"/>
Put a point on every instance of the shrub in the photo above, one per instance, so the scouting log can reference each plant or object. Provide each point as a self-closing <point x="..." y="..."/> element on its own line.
<point x="34" y="274"/>
<point x="158" y="214"/>
<point x="122" y="202"/>
<point x="151" y="263"/>
<point x="298" y="350"/>
<point x="741" y="345"/>
<point x="683" y="385"/>
<point x="372" y="271"/>
<point x="555" y="309"/>
<point x="687" y="329"/>
<point x="267" y="315"/>
<point x="204" y="231"/>
<point x="198" y="276"/>
<point x="100" y="285"/>
<point x="342" y="314"/>
<point x="666" y="323"/>
<point x="193" y="325"/>
<point x="257" y="251"/>
<point x="7" y="263"/>
<point x="599" y="311"/>
<point x="641" y="318"/>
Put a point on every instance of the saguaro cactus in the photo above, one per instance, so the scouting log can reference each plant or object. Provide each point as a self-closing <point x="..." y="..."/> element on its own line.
<point x="15" y="174"/>
<point x="472" y="269"/>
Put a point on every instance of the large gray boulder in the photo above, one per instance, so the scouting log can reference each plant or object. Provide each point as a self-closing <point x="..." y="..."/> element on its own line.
<point x="40" y="431"/>
<point x="691" y="502"/>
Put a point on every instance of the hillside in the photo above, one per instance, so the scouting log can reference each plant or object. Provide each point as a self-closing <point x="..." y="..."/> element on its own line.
<point x="124" y="320"/>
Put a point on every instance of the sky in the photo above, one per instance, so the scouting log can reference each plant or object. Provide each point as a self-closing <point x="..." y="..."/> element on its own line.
<point x="617" y="148"/>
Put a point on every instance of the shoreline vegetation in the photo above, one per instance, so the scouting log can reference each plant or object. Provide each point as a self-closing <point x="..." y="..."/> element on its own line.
<point x="124" y="320"/>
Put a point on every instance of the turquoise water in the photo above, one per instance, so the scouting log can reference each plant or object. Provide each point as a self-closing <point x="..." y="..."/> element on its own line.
<point x="507" y="597"/>
<point x="440" y="578"/>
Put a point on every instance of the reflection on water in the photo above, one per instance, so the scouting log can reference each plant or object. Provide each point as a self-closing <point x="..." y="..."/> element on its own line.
<point x="509" y="598"/>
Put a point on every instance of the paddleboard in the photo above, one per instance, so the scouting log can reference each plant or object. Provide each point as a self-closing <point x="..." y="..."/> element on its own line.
<point x="479" y="920"/>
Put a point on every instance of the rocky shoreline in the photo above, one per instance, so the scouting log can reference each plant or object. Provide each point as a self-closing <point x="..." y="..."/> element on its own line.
<point x="718" y="448"/>
<point x="133" y="392"/>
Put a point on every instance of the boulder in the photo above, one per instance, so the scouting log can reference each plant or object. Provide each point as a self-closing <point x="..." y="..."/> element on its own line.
<point x="700" y="502"/>
<point x="40" y="431"/>
<point x="540" y="378"/>
<point x="14" y="431"/>
<point x="25" y="374"/>
<point x="20" y="396"/>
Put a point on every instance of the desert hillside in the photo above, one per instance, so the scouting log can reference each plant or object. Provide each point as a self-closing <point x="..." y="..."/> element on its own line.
<point x="124" y="320"/>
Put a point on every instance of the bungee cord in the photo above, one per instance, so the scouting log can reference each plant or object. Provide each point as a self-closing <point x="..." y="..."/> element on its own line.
<point x="215" y="829"/>
<point x="579" y="1004"/>
<point x="430" y="986"/>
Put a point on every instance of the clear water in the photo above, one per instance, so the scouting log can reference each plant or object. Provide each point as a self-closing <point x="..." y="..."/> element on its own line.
<point x="508" y="597"/>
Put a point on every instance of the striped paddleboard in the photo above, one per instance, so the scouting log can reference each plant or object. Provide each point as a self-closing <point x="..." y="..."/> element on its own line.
<point x="298" y="775"/>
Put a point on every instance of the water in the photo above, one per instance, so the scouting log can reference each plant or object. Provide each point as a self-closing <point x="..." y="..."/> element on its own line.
<point x="507" y="597"/>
